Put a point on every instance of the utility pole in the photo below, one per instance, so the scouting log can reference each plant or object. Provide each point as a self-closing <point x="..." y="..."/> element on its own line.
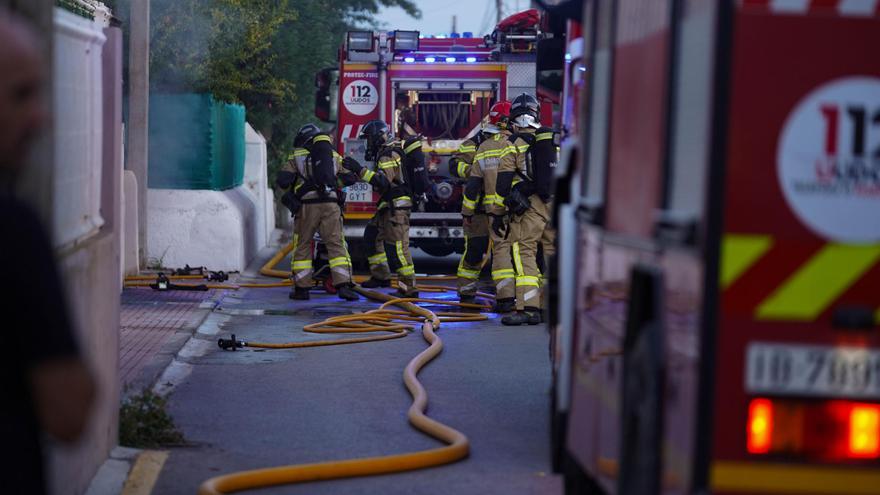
<point x="454" y="29"/>
<point x="499" y="7"/>
<point x="139" y="112"/>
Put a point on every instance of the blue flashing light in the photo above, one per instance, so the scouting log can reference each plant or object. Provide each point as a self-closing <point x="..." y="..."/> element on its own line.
<point x="467" y="34"/>
<point x="568" y="56"/>
<point x="471" y="60"/>
<point x="430" y="60"/>
<point x="454" y="35"/>
<point x="582" y="69"/>
<point x="450" y="59"/>
<point x="409" y="60"/>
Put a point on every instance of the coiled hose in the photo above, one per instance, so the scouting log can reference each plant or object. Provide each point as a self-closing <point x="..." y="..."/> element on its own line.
<point x="457" y="445"/>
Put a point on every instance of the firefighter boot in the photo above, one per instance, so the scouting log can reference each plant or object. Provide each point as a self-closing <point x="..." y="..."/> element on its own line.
<point x="372" y="283"/>
<point x="344" y="291"/>
<point x="531" y="316"/>
<point x="299" y="294"/>
<point x="467" y="298"/>
<point x="505" y="305"/>
<point x="407" y="293"/>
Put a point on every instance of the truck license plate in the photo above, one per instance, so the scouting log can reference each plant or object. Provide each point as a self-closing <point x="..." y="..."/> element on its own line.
<point x="810" y="370"/>
<point x="359" y="193"/>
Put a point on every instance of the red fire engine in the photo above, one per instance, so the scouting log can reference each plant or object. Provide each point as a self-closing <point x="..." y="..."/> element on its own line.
<point x="716" y="324"/>
<point x="440" y="88"/>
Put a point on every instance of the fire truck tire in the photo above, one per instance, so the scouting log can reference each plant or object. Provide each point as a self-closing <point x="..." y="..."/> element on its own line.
<point x="577" y="482"/>
<point x="642" y="419"/>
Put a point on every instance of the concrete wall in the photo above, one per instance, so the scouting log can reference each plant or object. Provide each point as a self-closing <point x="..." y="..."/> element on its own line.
<point x="257" y="182"/>
<point x="88" y="110"/>
<point x="221" y="230"/>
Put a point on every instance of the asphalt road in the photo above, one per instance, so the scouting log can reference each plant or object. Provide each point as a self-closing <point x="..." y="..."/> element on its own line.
<point x="259" y="408"/>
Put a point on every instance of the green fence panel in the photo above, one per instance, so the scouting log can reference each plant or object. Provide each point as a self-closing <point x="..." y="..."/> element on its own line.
<point x="196" y="142"/>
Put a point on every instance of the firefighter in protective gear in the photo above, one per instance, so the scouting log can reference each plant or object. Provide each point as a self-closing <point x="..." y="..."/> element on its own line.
<point x="480" y="192"/>
<point x="400" y="177"/>
<point x="525" y="186"/>
<point x="312" y="180"/>
<point x="475" y="226"/>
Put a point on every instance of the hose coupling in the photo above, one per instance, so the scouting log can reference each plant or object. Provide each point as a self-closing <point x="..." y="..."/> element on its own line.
<point x="231" y="343"/>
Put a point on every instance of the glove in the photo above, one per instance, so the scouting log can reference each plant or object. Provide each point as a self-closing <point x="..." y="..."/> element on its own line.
<point x="285" y="179"/>
<point x="498" y="225"/>
<point x="291" y="202"/>
<point x="352" y="164"/>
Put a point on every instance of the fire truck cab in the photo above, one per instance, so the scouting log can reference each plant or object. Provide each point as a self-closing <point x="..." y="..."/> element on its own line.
<point x="719" y="275"/>
<point x="438" y="88"/>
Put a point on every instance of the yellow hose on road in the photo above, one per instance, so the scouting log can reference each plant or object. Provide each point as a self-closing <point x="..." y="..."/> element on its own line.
<point x="457" y="443"/>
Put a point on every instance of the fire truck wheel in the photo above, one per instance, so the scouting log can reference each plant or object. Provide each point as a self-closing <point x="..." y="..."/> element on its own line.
<point x="576" y="480"/>
<point x="642" y="420"/>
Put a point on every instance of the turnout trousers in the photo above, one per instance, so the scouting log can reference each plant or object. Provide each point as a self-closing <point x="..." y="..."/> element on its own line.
<point x="476" y="251"/>
<point x="390" y="247"/>
<point x="502" y="266"/>
<point x="526" y="232"/>
<point x="326" y="220"/>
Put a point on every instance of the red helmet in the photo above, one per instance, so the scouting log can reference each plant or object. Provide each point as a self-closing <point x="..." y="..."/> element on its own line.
<point x="500" y="113"/>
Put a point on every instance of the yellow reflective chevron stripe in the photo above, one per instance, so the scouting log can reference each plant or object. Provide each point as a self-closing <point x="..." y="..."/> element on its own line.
<point x="300" y="152"/>
<point x="499" y="200"/>
<point x="739" y="252"/>
<point x="407" y="271"/>
<point x="467" y="148"/>
<point x="468" y="202"/>
<point x="468" y="274"/>
<point x="417" y="144"/>
<point x="543" y="136"/>
<point x="809" y="291"/>
<point x="527" y="280"/>
<point x="462" y="168"/>
<point x="321" y="137"/>
<point x="489" y="199"/>
<point x="502" y="274"/>
<point x="522" y="148"/>
<point x="368" y="175"/>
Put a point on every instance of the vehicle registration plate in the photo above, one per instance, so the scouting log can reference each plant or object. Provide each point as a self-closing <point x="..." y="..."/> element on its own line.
<point x="359" y="193"/>
<point x="809" y="370"/>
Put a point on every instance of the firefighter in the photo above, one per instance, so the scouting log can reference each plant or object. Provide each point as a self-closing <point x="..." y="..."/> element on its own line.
<point x="480" y="190"/>
<point x="476" y="225"/>
<point x="525" y="185"/>
<point x="400" y="177"/>
<point x="312" y="181"/>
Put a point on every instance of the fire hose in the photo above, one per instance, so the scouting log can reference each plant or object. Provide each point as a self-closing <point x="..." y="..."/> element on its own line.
<point x="380" y="320"/>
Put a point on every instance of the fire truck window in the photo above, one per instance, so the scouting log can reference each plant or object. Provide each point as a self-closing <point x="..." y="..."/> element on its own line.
<point x="692" y="118"/>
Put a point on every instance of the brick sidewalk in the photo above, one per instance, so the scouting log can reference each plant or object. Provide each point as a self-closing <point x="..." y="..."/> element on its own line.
<point x="153" y="325"/>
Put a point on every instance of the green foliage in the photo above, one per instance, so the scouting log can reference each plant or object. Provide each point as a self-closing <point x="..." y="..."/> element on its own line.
<point x="145" y="423"/>
<point x="262" y="53"/>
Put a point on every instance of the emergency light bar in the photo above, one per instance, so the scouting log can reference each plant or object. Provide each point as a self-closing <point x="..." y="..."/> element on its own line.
<point x="360" y="41"/>
<point x="405" y="41"/>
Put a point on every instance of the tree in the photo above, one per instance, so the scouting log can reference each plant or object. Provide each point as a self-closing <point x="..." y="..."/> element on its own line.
<point x="261" y="53"/>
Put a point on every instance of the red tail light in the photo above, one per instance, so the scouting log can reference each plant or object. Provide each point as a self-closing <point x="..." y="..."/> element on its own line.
<point x="864" y="431"/>
<point x="760" y="426"/>
<point x="822" y="430"/>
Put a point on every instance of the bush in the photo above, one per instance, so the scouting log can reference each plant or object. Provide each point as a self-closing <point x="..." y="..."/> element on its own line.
<point x="144" y="422"/>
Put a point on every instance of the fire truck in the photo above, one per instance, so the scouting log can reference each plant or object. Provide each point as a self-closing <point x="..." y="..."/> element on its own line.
<point x="716" y="327"/>
<point x="439" y="88"/>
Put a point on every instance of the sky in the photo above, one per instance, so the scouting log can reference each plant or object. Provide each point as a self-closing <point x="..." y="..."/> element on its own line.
<point x="476" y="16"/>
